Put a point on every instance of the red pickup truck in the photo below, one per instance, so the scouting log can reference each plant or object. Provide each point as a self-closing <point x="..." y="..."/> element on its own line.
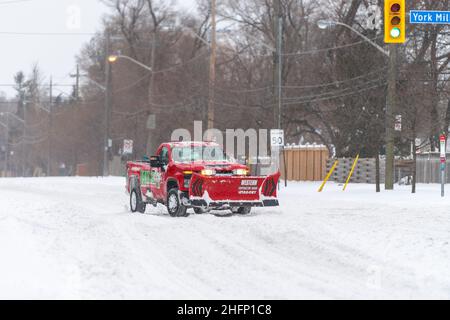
<point x="197" y="175"/>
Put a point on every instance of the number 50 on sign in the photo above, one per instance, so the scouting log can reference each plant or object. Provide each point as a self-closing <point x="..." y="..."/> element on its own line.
<point x="277" y="138"/>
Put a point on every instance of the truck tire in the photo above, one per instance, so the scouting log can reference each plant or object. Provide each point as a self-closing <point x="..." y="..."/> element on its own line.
<point x="136" y="204"/>
<point x="133" y="201"/>
<point x="174" y="206"/>
<point x="241" y="210"/>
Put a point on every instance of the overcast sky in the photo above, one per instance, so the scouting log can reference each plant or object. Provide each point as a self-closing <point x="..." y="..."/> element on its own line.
<point x="54" y="53"/>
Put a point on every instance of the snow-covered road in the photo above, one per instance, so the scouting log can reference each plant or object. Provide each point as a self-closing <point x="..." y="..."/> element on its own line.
<point x="74" y="238"/>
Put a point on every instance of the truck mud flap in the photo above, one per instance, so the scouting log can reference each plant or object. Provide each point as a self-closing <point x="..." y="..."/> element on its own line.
<point x="236" y="191"/>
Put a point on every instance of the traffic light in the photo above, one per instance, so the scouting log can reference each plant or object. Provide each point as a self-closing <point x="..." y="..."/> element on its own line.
<point x="394" y="21"/>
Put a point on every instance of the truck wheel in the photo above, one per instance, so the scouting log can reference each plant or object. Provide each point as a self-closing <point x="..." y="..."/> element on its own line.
<point x="134" y="201"/>
<point x="174" y="206"/>
<point x="136" y="204"/>
<point x="241" y="210"/>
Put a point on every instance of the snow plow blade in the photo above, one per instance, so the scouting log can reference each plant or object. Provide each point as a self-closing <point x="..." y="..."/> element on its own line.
<point x="230" y="191"/>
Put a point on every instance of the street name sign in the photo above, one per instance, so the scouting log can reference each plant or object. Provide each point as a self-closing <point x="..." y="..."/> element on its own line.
<point x="429" y="17"/>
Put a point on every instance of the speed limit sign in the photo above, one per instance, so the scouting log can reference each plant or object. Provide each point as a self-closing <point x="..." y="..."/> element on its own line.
<point x="277" y="138"/>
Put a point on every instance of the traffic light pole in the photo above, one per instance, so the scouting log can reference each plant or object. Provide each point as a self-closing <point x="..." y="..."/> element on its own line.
<point x="391" y="105"/>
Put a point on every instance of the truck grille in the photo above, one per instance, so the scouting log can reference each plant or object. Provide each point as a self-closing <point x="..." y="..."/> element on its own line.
<point x="224" y="173"/>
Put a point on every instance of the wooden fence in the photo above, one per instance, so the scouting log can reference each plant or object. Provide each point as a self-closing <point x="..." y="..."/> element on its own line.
<point x="304" y="163"/>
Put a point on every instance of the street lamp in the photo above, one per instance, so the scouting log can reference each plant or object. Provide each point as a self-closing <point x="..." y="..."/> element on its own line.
<point x="114" y="57"/>
<point x="325" y="24"/>
<point x="152" y="118"/>
<point x="391" y="96"/>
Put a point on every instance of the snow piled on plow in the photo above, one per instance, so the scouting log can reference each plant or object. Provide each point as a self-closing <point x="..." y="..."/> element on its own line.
<point x="73" y="238"/>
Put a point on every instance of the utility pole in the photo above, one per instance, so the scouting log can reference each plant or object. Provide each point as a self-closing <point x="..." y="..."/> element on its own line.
<point x="280" y="67"/>
<point x="77" y="82"/>
<point x="391" y="107"/>
<point x="151" y="121"/>
<point x="50" y="127"/>
<point x="108" y="81"/>
<point x="277" y="62"/>
<point x="212" y="66"/>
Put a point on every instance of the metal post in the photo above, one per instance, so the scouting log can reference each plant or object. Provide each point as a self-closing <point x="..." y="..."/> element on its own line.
<point x="390" y="111"/>
<point x="107" y="107"/>
<point x="285" y="167"/>
<point x="7" y="145"/>
<point x="414" y="176"/>
<point x="443" y="148"/>
<point x="377" y="171"/>
<point x="23" y="137"/>
<point x="50" y="125"/>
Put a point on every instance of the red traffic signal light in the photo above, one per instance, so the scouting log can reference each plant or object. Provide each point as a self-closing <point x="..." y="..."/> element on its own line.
<point x="396" y="7"/>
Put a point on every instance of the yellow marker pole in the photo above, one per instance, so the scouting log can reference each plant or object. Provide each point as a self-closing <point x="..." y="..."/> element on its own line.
<point x="351" y="172"/>
<point x="328" y="175"/>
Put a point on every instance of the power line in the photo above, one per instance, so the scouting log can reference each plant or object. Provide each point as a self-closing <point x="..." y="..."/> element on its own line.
<point x="131" y="85"/>
<point x="300" y="53"/>
<point x="305" y="86"/>
<point x="13" y="1"/>
<point x="330" y="48"/>
<point x="315" y="98"/>
<point x="47" y="33"/>
<point x="334" y="97"/>
<point x="335" y="82"/>
<point x="335" y="92"/>
<point x="43" y="85"/>
<point x="181" y="64"/>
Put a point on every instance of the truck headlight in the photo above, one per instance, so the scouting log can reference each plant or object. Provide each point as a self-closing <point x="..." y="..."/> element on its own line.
<point x="208" y="172"/>
<point x="240" y="172"/>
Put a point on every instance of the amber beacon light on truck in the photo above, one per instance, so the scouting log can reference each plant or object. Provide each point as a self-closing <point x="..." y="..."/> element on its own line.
<point x="394" y="21"/>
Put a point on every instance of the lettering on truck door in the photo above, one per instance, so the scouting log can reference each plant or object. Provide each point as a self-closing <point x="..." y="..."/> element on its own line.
<point x="159" y="175"/>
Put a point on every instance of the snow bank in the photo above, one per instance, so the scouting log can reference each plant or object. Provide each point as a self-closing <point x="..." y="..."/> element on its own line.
<point x="73" y="238"/>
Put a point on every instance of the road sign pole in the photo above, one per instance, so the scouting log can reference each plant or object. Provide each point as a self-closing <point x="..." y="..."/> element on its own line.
<point x="443" y="144"/>
<point x="277" y="145"/>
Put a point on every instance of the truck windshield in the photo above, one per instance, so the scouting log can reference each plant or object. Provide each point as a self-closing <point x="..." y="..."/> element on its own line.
<point x="200" y="153"/>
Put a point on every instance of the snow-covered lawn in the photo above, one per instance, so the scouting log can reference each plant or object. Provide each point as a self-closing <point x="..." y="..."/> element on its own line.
<point x="74" y="238"/>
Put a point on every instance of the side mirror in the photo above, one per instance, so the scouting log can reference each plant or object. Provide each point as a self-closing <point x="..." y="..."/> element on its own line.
<point x="155" y="162"/>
